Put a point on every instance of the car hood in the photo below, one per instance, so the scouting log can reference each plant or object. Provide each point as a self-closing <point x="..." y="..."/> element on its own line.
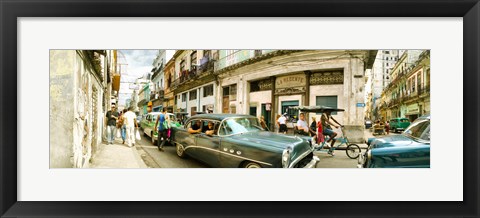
<point x="392" y="141"/>
<point x="280" y="141"/>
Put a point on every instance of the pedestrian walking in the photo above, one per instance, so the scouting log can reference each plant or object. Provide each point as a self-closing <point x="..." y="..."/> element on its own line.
<point x="282" y="123"/>
<point x="112" y="117"/>
<point x="162" y="125"/>
<point x="130" y="121"/>
<point x="123" y="128"/>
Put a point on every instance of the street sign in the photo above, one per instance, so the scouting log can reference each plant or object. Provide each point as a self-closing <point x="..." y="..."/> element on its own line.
<point x="360" y="104"/>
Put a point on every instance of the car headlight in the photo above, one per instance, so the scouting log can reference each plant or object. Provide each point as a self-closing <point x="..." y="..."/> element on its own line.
<point x="286" y="157"/>
<point x="369" y="154"/>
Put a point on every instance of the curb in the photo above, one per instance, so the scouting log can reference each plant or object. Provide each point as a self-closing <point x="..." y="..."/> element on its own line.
<point x="138" y="158"/>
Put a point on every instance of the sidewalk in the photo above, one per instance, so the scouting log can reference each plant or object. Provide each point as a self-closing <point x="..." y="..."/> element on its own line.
<point x="117" y="156"/>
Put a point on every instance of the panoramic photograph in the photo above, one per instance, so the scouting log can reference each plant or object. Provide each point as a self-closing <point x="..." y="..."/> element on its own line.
<point x="122" y="109"/>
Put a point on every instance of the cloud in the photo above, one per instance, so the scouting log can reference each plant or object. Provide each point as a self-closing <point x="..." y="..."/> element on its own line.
<point x="138" y="63"/>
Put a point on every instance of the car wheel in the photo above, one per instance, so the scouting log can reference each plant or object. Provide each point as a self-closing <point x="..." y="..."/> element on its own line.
<point x="252" y="165"/>
<point x="180" y="150"/>
<point x="153" y="139"/>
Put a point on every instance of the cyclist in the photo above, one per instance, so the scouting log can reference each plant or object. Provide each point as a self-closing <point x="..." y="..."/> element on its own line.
<point x="326" y="120"/>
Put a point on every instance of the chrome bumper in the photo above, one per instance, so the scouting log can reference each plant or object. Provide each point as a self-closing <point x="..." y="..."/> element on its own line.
<point x="313" y="162"/>
<point x="361" y="160"/>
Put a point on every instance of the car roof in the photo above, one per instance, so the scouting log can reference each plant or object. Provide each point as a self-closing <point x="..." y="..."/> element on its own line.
<point x="219" y="116"/>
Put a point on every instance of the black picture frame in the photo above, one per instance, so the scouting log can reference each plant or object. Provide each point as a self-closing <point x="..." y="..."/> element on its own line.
<point x="11" y="10"/>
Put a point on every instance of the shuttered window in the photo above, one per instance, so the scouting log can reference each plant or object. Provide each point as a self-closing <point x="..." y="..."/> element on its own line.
<point x="328" y="101"/>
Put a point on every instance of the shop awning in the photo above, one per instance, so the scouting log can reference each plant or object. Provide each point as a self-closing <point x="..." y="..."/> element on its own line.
<point x="315" y="109"/>
<point x="116" y="82"/>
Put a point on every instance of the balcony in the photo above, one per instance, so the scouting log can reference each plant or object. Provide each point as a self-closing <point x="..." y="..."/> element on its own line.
<point x="424" y="90"/>
<point x="206" y="64"/>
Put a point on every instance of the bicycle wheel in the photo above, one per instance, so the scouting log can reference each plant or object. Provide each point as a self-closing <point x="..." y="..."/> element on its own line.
<point x="353" y="151"/>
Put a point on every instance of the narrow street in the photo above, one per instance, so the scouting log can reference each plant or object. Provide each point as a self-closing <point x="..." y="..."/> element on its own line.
<point x="154" y="158"/>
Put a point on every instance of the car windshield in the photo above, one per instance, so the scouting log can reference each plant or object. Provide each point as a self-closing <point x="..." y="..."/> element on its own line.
<point x="419" y="129"/>
<point x="240" y="125"/>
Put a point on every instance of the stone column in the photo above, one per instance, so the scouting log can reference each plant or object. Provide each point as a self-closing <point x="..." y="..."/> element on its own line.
<point x="307" y="93"/>
<point x="273" y="108"/>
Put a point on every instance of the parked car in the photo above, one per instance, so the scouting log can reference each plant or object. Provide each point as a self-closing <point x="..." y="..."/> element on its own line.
<point x="239" y="141"/>
<point x="399" y="124"/>
<point x="409" y="149"/>
<point x="368" y="124"/>
<point x="139" y="120"/>
<point x="148" y="125"/>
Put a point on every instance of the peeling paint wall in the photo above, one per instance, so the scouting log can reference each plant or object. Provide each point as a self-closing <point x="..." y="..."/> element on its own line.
<point x="61" y="108"/>
<point x="76" y="111"/>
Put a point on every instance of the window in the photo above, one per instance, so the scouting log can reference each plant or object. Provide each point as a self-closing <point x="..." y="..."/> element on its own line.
<point x="182" y="65"/>
<point x="192" y="95"/>
<point x="226" y="91"/>
<point x="193" y="110"/>
<point x="208" y="91"/>
<point x="328" y="101"/>
<point x="386" y="52"/>
<point x="233" y="92"/>
<point x="193" y="58"/>
<point x="184" y="97"/>
<point x="207" y="53"/>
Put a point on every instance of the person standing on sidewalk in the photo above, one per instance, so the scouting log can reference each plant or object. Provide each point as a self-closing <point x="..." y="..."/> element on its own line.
<point x="387" y="127"/>
<point x="162" y="125"/>
<point x="130" y="121"/>
<point x="112" y="117"/>
<point x="282" y="123"/>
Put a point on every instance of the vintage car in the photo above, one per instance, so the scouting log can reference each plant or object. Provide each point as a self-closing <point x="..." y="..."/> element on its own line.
<point x="399" y="124"/>
<point x="240" y="141"/>
<point x="368" y="124"/>
<point x="148" y="124"/>
<point x="410" y="149"/>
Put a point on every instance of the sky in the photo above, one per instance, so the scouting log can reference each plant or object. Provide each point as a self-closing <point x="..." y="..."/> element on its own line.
<point x="134" y="64"/>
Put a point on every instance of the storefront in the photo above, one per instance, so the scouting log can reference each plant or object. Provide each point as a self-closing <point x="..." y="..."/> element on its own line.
<point x="268" y="90"/>
<point x="412" y="112"/>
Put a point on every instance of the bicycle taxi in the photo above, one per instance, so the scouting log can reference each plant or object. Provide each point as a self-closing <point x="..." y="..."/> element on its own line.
<point x="352" y="150"/>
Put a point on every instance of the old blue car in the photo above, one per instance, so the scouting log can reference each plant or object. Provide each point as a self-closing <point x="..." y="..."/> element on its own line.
<point x="240" y="141"/>
<point x="410" y="149"/>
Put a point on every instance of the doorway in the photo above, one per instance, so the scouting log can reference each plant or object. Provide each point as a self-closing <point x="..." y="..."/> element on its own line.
<point x="267" y="115"/>
<point x="291" y="113"/>
<point x="253" y="111"/>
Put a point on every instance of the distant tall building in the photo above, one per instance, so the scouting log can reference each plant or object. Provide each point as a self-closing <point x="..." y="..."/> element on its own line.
<point x="380" y="75"/>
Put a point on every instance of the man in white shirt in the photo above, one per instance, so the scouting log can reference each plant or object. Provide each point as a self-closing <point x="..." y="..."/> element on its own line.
<point x="130" y="121"/>
<point x="302" y="125"/>
<point x="282" y="122"/>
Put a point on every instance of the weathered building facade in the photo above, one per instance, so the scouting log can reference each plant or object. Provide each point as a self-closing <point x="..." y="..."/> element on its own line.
<point x="194" y="81"/>
<point x="82" y="88"/>
<point x="168" y="94"/>
<point x="408" y="95"/>
<point x="268" y="82"/>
